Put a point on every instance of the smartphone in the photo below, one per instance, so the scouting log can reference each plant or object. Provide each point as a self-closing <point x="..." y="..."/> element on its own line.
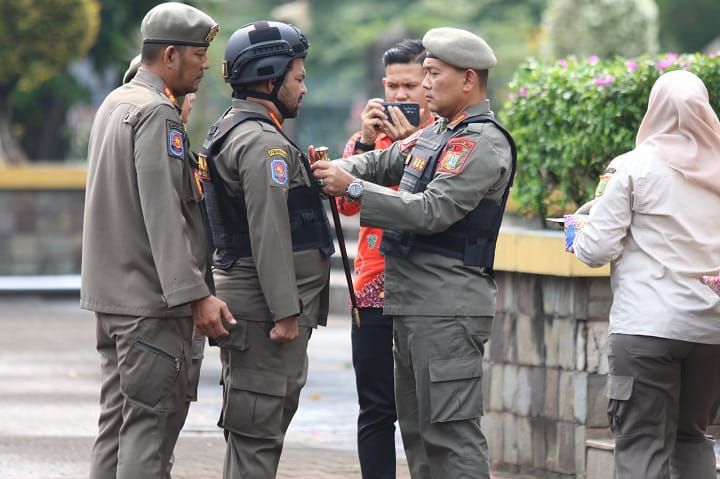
<point x="410" y="110"/>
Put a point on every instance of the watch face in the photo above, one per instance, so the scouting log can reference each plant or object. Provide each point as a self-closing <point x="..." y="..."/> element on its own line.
<point x="355" y="190"/>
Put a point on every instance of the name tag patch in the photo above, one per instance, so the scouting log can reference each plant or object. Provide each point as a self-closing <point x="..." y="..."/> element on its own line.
<point x="456" y="155"/>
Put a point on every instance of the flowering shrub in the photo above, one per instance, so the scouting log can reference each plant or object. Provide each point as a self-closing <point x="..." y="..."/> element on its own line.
<point x="571" y="117"/>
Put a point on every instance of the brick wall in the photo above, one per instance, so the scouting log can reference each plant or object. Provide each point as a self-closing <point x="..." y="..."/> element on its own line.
<point x="40" y="231"/>
<point x="545" y="372"/>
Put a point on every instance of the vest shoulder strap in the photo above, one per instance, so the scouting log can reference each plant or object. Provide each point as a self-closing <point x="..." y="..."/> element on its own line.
<point x="219" y="130"/>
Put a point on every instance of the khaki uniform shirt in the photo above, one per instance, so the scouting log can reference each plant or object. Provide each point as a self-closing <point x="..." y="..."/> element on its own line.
<point x="144" y="248"/>
<point x="428" y="284"/>
<point x="256" y="161"/>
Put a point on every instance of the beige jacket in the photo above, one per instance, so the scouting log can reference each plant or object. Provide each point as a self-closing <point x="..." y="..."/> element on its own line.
<point x="660" y="233"/>
<point x="144" y="248"/>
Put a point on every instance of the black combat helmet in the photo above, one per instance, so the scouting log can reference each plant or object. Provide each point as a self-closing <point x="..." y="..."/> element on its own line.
<point x="262" y="51"/>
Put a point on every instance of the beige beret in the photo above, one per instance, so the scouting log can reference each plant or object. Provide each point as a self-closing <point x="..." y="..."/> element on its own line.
<point x="459" y="48"/>
<point x="173" y="23"/>
<point x="132" y="69"/>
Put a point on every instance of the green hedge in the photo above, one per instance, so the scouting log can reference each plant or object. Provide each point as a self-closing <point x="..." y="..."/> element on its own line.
<point x="572" y="117"/>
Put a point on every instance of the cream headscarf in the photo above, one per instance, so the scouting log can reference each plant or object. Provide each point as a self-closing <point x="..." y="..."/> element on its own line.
<point x="681" y="128"/>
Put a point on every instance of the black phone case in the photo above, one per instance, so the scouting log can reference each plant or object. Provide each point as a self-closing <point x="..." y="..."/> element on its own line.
<point x="410" y="110"/>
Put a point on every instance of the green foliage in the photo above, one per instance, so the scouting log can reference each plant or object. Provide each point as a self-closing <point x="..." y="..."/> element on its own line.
<point x="572" y="117"/>
<point x="119" y="39"/>
<point x="342" y="33"/>
<point x="602" y="27"/>
<point x="40" y="37"/>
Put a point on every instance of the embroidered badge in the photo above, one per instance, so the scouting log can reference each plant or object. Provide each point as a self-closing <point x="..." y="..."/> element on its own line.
<point x="277" y="152"/>
<point x="372" y="241"/>
<point x="418" y="164"/>
<point x="603" y="182"/>
<point x="176" y="140"/>
<point x="456" y="155"/>
<point x="278" y="171"/>
<point x="203" y="168"/>
<point x="212" y="33"/>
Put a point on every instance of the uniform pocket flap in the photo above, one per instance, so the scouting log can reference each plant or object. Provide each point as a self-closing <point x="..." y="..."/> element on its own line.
<point x="237" y="339"/>
<point x="455" y="369"/>
<point x="619" y="387"/>
<point x="261" y="382"/>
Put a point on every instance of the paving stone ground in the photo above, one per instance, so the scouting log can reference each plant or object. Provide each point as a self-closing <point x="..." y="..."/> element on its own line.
<point x="49" y="383"/>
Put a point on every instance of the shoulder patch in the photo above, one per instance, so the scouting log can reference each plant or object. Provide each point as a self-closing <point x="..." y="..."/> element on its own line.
<point x="603" y="182"/>
<point x="175" y="139"/>
<point x="279" y="172"/>
<point x="277" y="152"/>
<point x="456" y="155"/>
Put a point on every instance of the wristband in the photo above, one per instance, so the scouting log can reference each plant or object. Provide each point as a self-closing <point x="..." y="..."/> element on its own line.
<point x="360" y="146"/>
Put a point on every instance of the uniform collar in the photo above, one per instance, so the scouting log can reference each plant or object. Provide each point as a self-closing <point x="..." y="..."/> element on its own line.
<point x="254" y="107"/>
<point x="155" y="82"/>
<point x="473" y="110"/>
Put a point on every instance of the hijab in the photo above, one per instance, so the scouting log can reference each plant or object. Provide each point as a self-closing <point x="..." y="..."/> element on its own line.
<point x="681" y="128"/>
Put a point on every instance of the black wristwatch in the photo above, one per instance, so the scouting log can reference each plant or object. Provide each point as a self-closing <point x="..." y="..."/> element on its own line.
<point x="363" y="147"/>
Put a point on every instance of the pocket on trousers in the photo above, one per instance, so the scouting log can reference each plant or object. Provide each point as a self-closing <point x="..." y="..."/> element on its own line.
<point x="618" y="391"/>
<point x="237" y="339"/>
<point x="455" y="389"/>
<point x="255" y="403"/>
<point x="148" y="372"/>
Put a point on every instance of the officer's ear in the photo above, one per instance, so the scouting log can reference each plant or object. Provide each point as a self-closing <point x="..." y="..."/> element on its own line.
<point x="171" y="57"/>
<point x="470" y="82"/>
<point x="269" y="85"/>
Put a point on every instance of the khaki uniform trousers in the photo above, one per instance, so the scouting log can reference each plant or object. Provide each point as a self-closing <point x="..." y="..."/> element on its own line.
<point x="438" y="391"/>
<point x="143" y="397"/>
<point x="262" y="383"/>
<point x="662" y="395"/>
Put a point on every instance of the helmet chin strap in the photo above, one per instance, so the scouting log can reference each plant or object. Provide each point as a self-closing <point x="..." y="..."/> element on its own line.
<point x="272" y="97"/>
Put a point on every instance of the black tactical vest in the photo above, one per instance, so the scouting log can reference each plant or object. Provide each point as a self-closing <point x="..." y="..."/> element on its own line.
<point x="473" y="238"/>
<point x="227" y="214"/>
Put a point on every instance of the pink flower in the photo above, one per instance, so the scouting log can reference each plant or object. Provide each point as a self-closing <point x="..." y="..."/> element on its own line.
<point x="563" y="63"/>
<point x="631" y="65"/>
<point x="604" y="80"/>
<point x="523" y="91"/>
<point x="511" y="96"/>
<point x="666" y="62"/>
<point x="593" y="59"/>
<point x="713" y="54"/>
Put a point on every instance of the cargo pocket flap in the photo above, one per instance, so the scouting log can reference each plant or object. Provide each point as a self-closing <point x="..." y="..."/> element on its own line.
<point x="619" y="387"/>
<point x="260" y="382"/>
<point x="237" y="337"/>
<point x="455" y="369"/>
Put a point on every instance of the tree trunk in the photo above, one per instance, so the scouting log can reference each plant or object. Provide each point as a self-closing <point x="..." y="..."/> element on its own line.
<point x="10" y="150"/>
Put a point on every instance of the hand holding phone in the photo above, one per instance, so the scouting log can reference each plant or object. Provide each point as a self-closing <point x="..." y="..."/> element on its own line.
<point x="411" y="111"/>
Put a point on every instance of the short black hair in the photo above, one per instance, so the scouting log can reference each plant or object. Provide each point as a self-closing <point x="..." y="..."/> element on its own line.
<point x="410" y="50"/>
<point x="151" y="51"/>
